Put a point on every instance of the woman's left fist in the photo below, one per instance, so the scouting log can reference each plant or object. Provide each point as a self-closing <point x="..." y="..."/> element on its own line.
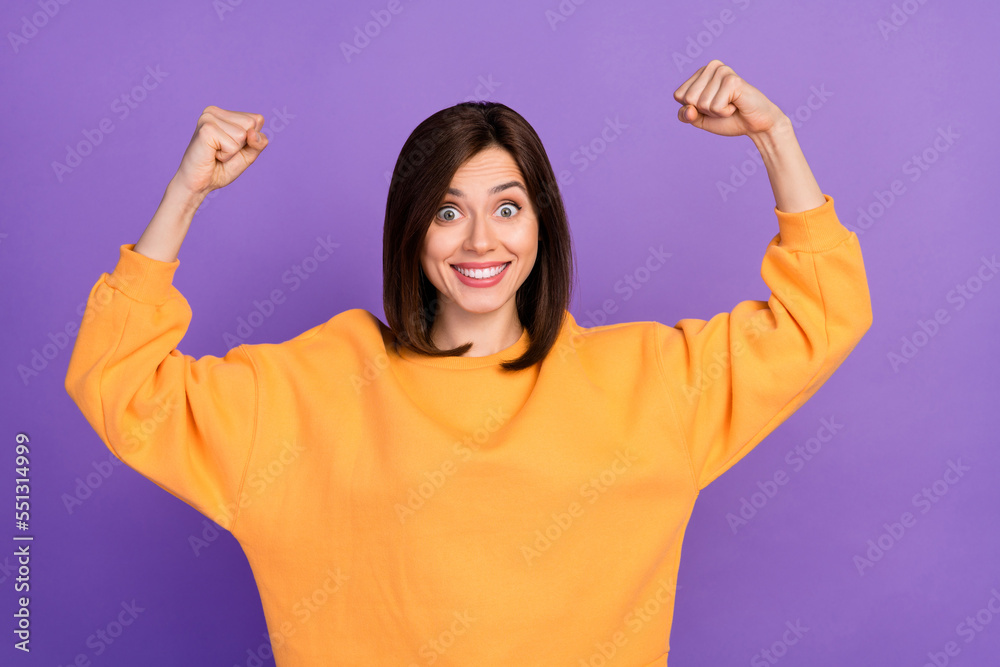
<point x="716" y="99"/>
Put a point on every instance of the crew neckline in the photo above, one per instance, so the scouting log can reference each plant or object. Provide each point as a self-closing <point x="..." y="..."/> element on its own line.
<point x="495" y="359"/>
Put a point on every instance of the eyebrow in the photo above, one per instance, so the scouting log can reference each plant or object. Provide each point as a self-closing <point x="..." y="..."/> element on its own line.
<point x="494" y="190"/>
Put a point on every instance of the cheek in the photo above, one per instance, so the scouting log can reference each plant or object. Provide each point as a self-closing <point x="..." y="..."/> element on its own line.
<point x="526" y="243"/>
<point x="435" y="251"/>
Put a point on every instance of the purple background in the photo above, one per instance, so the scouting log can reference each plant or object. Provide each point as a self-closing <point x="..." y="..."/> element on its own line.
<point x="324" y="173"/>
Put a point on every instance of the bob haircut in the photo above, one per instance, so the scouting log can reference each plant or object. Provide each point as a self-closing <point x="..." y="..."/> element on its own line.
<point x="427" y="162"/>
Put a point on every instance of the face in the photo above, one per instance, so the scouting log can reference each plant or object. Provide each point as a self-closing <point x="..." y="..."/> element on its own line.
<point x="485" y="220"/>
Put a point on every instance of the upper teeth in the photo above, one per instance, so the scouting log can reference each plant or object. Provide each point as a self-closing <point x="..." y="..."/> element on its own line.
<point x="482" y="273"/>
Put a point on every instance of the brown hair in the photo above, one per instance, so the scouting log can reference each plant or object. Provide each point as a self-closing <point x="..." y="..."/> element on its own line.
<point x="427" y="162"/>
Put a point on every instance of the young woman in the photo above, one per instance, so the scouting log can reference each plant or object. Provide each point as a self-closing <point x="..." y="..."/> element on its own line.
<point x="481" y="480"/>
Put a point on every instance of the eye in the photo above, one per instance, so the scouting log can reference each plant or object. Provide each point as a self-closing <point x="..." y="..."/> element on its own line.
<point x="510" y="207"/>
<point x="445" y="217"/>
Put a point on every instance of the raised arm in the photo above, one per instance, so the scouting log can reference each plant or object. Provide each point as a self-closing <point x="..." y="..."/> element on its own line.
<point x="186" y="424"/>
<point x="734" y="378"/>
<point x="716" y="100"/>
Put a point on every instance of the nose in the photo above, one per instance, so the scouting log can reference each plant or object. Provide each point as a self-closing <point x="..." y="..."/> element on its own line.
<point x="481" y="236"/>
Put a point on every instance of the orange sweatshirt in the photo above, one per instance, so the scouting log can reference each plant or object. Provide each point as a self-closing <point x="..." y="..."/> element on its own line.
<point x="398" y="509"/>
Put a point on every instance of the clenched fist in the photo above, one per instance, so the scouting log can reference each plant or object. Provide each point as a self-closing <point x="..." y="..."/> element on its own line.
<point x="715" y="99"/>
<point x="223" y="145"/>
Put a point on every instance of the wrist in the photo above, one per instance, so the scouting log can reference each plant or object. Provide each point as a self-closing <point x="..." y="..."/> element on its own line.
<point x="772" y="139"/>
<point x="795" y="188"/>
<point x="182" y="196"/>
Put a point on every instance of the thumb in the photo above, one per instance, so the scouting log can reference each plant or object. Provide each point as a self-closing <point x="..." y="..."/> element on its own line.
<point x="255" y="144"/>
<point x="689" y="114"/>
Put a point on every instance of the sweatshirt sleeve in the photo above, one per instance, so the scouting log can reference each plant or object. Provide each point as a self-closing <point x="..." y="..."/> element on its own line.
<point x="733" y="379"/>
<point x="186" y="424"/>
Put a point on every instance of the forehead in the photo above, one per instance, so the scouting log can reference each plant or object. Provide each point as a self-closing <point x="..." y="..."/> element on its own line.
<point x="487" y="166"/>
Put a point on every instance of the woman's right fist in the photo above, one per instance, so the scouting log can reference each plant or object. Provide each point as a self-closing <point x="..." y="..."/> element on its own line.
<point x="223" y="145"/>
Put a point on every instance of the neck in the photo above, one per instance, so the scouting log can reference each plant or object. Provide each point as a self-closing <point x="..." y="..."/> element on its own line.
<point x="489" y="333"/>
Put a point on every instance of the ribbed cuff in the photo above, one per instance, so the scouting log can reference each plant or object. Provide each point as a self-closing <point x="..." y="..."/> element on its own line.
<point x="815" y="230"/>
<point x="140" y="277"/>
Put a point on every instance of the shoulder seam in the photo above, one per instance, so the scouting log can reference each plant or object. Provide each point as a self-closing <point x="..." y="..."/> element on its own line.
<point x="253" y="434"/>
<point x="670" y="404"/>
<point x="767" y="424"/>
<point x="100" y="383"/>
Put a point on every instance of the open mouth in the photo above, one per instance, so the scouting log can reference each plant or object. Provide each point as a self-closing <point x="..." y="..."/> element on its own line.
<point x="482" y="274"/>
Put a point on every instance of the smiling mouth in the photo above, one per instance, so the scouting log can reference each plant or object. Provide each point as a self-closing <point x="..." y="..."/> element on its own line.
<point x="482" y="274"/>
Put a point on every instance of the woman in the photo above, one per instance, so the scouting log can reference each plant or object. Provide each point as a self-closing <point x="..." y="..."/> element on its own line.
<point x="483" y="481"/>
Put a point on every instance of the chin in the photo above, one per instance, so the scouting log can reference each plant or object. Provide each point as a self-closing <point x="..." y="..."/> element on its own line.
<point x="480" y="309"/>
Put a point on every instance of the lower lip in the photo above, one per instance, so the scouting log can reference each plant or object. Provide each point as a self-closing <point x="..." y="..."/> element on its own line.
<point x="486" y="282"/>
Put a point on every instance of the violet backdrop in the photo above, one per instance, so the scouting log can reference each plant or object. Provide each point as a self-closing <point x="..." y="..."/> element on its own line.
<point x="880" y="92"/>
